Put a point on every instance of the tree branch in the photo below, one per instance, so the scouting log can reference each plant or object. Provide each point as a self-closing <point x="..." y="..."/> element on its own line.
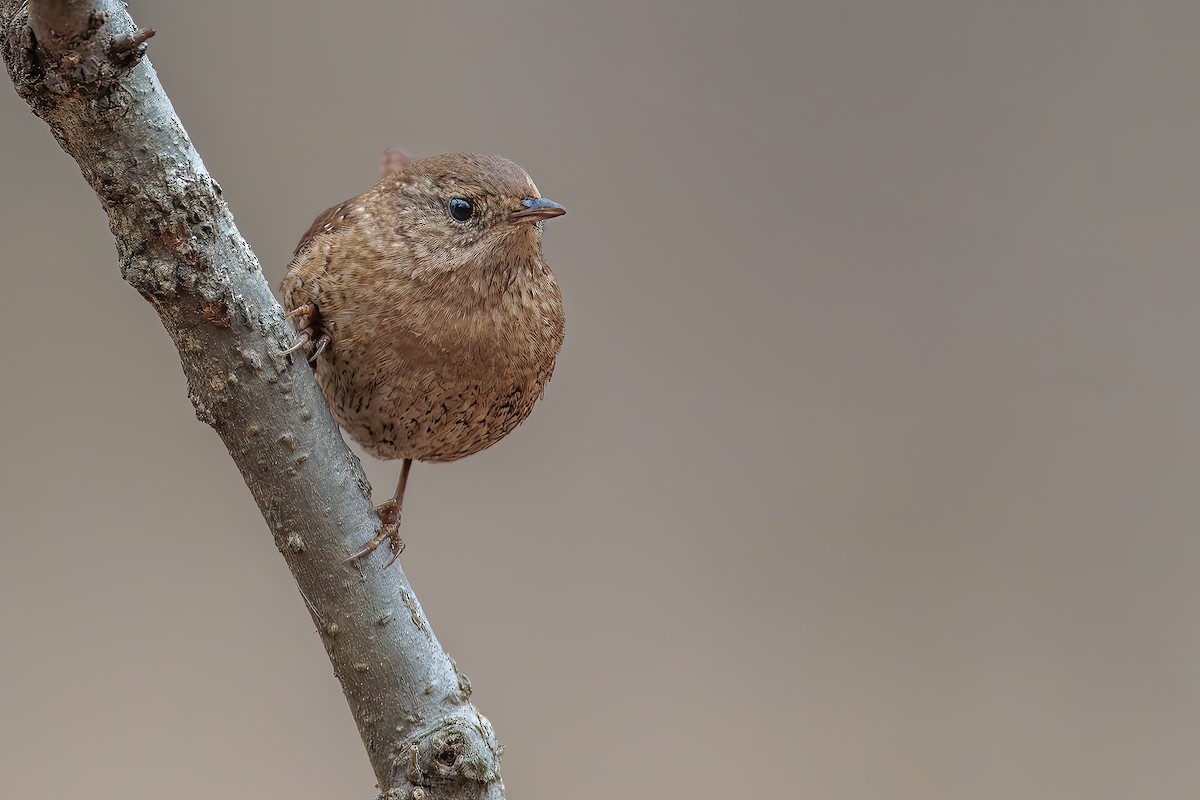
<point x="80" y="65"/>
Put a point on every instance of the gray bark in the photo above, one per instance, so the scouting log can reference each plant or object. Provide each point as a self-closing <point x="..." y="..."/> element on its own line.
<point x="81" y="66"/>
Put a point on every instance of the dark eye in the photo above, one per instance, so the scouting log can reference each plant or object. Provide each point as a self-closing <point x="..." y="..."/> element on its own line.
<point x="460" y="210"/>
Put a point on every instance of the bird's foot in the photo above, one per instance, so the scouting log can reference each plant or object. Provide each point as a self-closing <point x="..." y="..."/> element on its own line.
<point x="310" y="338"/>
<point x="389" y="515"/>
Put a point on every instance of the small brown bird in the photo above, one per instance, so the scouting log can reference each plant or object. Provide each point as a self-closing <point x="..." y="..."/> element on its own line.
<point x="429" y="312"/>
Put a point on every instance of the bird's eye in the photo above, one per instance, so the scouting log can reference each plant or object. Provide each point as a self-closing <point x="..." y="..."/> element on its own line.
<point x="460" y="209"/>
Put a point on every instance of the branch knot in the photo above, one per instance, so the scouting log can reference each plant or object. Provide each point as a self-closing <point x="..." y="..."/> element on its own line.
<point x="458" y="756"/>
<point x="71" y="48"/>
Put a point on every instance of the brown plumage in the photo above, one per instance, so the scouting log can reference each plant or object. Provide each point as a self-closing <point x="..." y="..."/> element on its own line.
<point x="431" y="316"/>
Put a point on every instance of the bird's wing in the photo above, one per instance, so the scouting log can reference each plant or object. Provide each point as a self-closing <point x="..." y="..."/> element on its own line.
<point x="305" y="270"/>
<point x="326" y="221"/>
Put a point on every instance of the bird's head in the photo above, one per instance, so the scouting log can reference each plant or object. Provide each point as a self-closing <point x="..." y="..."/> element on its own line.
<point x="464" y="209"/>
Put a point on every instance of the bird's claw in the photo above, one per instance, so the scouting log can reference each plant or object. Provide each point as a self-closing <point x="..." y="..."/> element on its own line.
<point x="312" y="343"/>
<point x="304" y="340"/>
<point x="389" y="515"/>
<point x="322" y="343"/>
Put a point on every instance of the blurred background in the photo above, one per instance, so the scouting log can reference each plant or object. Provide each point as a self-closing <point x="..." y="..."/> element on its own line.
<point x="870" y="468"/>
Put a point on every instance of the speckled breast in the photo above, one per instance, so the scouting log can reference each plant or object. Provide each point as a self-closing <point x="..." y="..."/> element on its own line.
<point x="431" y="415"/>
<point x="439" y="386"/>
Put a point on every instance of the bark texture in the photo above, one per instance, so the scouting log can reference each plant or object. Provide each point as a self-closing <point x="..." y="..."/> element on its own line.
<point x="81" y="66"/>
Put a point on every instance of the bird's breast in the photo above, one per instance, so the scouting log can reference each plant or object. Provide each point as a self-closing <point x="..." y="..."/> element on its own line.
<point x="446" y="375"/>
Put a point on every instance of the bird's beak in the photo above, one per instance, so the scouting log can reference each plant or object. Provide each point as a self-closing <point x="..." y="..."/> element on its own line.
<point x="534" y="209"/>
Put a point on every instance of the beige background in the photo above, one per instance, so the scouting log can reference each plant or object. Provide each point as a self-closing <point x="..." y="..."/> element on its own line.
<point x="870" y="469"/>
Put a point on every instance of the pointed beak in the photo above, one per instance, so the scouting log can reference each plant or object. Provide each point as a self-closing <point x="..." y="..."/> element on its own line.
<point x="535" y="209"/>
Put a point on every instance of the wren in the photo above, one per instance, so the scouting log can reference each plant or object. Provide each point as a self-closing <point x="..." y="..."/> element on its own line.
<point x="429" y="312"/>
